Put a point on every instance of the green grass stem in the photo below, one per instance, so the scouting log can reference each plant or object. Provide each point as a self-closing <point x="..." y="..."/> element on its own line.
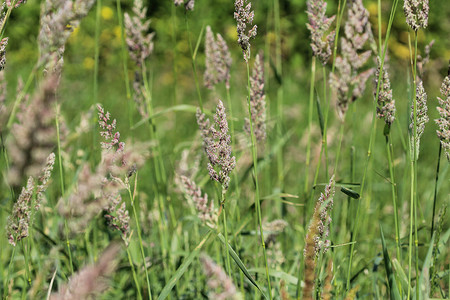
<point x="370" y="147"/>
<point x="255" y="173"/>
<point x="138" y="229"/>
<point x="194" y="68"/>
<point x="310" y="116"/>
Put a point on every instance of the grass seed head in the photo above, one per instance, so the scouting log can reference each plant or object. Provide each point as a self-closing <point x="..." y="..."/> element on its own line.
<point x="205" y="208"/>
<point x="316" y="238"/>
<point x="444" y="120"/>
<point x="416" y="13"/>
<point x="349" y="81"/>
<point x="218" y="60"/>
<point x="386" y="104"/>
<point x="217" y="145"/>
<point x="421" y="120"/>
<point x="318" y="26"/>
<point x="244" y="16"/>
<point x="257" y="101"/>
<point x="221" y="285"/>
<point x="90" y="282"/>
<point x="33" y="137"/>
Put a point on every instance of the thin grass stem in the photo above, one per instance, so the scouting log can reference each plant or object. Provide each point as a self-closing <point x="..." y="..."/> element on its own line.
<point x="394" y="198"/>
<point x="255" y="173"/>
<point x="310" y="116"/>
<point x="194" y="68"/>
<point x="370" y="147"/>
<point x="141" y="247"/>
<point x="97" y="46"/>
<point x="62" y="186"/>
<point x="435" y="190"/>
<point x="133" y="271"/>
<point x="325" y="125"/>
<point x="228" y="264"/>
<point x="27" y="274"/>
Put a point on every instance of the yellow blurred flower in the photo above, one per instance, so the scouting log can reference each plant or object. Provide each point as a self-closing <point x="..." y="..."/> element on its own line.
<point x="74" y="34"/>
<point x="88" y="63"/>
<point x="107" y="13"/>
<point x="231" y="33"/>
<point x="372" y="8"/>
<point x="399" y="50"/>
<point x="117" y="32"/>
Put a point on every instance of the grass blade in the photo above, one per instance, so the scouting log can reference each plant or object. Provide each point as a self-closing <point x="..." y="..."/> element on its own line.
<point x="423" y="284"/>
<point x="401" y="275"/>
<point x="186" y="263"/>
<point x="288" y="278"/>
<point x="241" y="265"/>
<point x="390" y="274"/>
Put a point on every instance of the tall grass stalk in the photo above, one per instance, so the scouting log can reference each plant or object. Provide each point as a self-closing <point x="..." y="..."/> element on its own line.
<point x="133" y="271"/>
<point x="435" y="190"/>
<point x="97" y="47"/>
<point x="61" y="178"/>
<point x="413" y="174"/>
<point x="138" y="229"/>
<point x="370" y="147"/>
<point x="390" y="153"/>
<point x="174" y="53"/>
<point x="161" y="180"/>
<point x="325" y="125"/>
<point x="228" y="264"/>
<point x="123" y="49"/>
<point x="394" y="197"/>
<point x="310" y="116"/>
<point x="194" y="68"/>
<point x="27" y="275"/>
<point x="280" y="95"/>
<point x="255" y="173"/>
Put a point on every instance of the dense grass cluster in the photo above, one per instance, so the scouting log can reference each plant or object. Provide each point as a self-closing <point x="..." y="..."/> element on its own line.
<point x="220" y="170"/>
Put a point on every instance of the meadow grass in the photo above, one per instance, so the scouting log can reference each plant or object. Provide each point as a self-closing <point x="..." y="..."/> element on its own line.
<point x="291" y="188"/>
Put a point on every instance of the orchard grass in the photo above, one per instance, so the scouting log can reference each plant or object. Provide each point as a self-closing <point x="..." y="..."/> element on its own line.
<point x="300" y="183"/>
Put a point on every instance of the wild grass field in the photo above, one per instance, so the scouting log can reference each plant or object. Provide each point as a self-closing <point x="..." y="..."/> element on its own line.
<point x="224" y="149"/>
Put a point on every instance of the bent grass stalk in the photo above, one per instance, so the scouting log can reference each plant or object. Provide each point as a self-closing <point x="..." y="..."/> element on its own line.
<point x="370" y="147"/>
<point x="255" y="173"/>
<point x="194" y="69"/>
